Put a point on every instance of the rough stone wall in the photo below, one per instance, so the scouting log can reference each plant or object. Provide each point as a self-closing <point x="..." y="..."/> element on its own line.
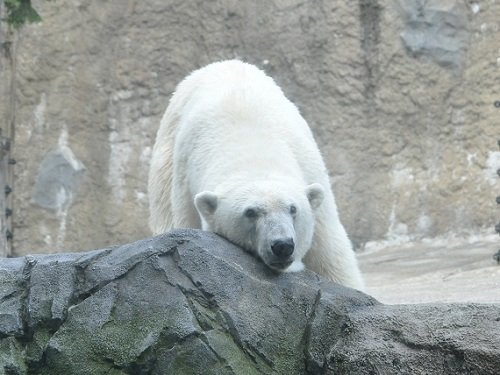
<point x="399" y="94"/>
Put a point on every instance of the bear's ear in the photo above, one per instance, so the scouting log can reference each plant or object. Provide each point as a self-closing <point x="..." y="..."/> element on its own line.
<point x="315" y="195"/>
<point x="206" y="203"/>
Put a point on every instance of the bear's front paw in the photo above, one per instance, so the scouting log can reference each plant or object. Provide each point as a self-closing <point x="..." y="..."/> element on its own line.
<point x="295" y="266"/>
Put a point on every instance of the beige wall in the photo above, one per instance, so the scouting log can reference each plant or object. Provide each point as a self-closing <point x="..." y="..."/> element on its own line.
<point x="399" y="94"/>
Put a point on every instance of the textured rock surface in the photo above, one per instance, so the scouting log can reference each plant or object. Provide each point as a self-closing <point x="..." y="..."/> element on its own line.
<point x="58" y="179"/>
<point x="399" y="93"/>
<point x="191" y="303"/>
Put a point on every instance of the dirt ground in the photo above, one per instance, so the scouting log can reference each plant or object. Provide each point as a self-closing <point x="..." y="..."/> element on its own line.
<point x="433" y="272"/>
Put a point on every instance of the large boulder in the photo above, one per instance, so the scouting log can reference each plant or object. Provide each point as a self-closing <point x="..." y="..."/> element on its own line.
<point x="189" y="302"/>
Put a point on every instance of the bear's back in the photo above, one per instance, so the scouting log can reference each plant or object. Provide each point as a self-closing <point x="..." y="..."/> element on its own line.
<point x="238" y="92"/>
<point x="235" y="117"/>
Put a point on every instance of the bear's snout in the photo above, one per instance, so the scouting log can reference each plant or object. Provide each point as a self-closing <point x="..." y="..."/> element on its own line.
<point x="283" y="248"/>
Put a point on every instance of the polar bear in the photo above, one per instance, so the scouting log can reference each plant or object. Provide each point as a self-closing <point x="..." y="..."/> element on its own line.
<point x="234" y="156"/>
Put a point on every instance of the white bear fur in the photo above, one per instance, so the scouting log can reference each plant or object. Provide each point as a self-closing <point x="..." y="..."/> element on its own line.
<point x="230" y="138"/>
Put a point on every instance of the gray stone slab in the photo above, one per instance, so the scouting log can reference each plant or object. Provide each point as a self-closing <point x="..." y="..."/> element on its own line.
<point x="189" y="302"/>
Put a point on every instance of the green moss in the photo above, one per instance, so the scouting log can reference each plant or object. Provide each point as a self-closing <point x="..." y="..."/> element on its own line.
<point x="12" y="357"/>
<point x="205" y="317"/>
<point x="20" y="12"/>
<point x="225" y="347"/>
<point x="36" y="347"/>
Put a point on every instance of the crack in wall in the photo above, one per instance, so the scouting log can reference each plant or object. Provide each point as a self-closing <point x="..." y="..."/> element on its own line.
<point x="369" y="14"/>
<point x="310" y="365"/>
<point x="30" y="263"/>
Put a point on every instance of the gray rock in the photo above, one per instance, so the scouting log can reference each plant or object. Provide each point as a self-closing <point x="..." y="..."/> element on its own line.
<point x="12" y="293"/>
<point x="436" y="29"/>
<point x="58" y="179"/>
<point x="189" y="302"/>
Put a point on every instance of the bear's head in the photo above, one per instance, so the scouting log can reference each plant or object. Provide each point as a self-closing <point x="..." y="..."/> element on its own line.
<point x="270" y="219"/>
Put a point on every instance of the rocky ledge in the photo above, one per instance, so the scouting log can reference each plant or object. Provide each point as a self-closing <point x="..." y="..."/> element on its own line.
<point x="189" y="302"/>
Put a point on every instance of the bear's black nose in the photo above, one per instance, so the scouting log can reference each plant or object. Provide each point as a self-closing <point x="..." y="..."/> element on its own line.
<point x="283" y="248"/>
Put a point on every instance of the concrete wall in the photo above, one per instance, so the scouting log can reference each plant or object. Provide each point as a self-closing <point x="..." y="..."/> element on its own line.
<point x="400" y="95"/>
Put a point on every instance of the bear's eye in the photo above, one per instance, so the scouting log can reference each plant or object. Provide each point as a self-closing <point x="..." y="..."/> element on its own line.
<point x="293" y="209"/>
<point x="250" y="213"/>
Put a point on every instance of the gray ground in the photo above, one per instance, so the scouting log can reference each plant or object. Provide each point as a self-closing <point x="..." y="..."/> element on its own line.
<point x="435" y="272"/>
